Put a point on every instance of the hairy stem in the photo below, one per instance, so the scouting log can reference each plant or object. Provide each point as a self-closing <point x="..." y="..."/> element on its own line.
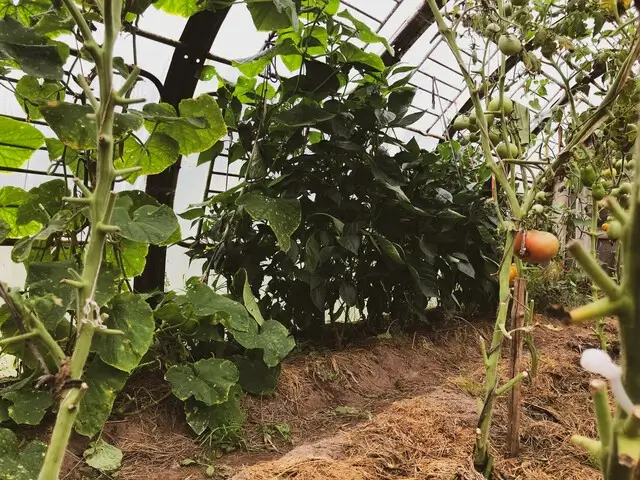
<point x="102" y="202"/>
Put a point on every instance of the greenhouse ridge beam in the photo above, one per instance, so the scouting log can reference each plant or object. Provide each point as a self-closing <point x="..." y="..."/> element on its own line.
<point x="410" y="33"/>
<point x="182" y="78"/>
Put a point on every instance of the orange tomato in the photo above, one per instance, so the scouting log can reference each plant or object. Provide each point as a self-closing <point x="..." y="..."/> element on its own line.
<point x="513" y="273"/>
<point x="539" y="246"/>
<point x="605" y="227"/>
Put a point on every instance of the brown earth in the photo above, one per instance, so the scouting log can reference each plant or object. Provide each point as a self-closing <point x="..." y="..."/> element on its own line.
<point x="402" y="408"/>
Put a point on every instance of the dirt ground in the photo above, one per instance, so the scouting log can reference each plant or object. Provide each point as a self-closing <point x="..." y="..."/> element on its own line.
<point x="400" y="408"/>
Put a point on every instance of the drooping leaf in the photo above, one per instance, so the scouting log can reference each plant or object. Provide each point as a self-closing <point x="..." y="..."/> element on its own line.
<point x="104" y="383"/>
<point x="208" y="380"/>
<point x="74" y="126"/>
<point x="159" y="152"/>
<point x="42" y="202"/>
<point x="348" y="294"/>
<point x="16" y="464"/>
<point x="247" y="296"/>
<point x="255" y="376"/>
<point x="255" y="65"/>
<point x="364" y="33"/>
<point x="191" y="139"/>
<point x="273" y="339"/>
<point x="133" y="316"/>
<point x="22" y="249"/>
<point x="303" y="115"/>
<point x="388" y="248"/>
<point x="269" y="15"/>
<point x="206" y="302"/>
<point x="18" y="142"/>
<point x="32" y="51"/>
<point x="148" y="224"/>
<point x="102" y="456"/>
<point x="282" y="215"/>
<point x="216" y="418"/>
<point x="356" y="55"/>
<point x="29" y="406"/>
<point x="29" y="90"/>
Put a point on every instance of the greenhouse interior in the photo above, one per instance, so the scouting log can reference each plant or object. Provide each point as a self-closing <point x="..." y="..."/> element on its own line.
<point x="319" y="239"/>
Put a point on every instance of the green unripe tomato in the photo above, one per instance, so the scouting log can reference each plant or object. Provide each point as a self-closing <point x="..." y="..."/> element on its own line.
<point x="509" y="45"/>
<point x="609" y="173"/>
<point x="464" y="140"/>
<point x="598" y="192"/>
<point x="625" y="188"/>
<point x="461" y="122"/>
<point x="588" y="175"/>
<point x="607" y="184"/>
<point x="494" y="136"/>
<point x="492" y="29"/>
<point x="537" y="209"/>
<point x="473" y="120"/>
<point x="495" y="106"/>
<point x="630" y="165"/>
<point x="474" y="137"/>
<point x="489" y="118"/>
<point x="615" y="192"/>
<point x="615" y="230"/>
<point x="541" y="197"/>
<point x="618" y="165"/>
<point x="505" y="150"/>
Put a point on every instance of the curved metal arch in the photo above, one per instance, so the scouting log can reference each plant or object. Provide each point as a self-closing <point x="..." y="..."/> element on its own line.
<point x="180" y="83"/>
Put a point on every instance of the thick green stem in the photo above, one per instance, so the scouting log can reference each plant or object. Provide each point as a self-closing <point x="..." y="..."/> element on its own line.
<point x="595" y="291"/>
<point x="102" y="202"/>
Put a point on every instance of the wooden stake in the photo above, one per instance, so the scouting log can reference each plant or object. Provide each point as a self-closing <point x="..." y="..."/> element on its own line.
<point x="518" y="311"/>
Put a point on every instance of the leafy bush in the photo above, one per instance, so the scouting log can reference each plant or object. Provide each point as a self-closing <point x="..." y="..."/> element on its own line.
<point x="337" y="217"/>
<point x="558" y="285"/>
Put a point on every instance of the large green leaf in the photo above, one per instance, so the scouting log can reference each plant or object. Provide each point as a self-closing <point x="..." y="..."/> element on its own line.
<point x="148" y="223"/>
<point x="191" y="139"/>
<point x="273" y="339"/>
<point x="24" y="10"/>
<point x="43" y="202"/>
<point x="183" y="8"/>
<point x="218" y="419"/>
<point x="269" y="15"/>
<point x="73" y="125"/>
<point x="29" y="406"/>
<point x="129" y="255"/>
<point x="102" y="456"/>
<point x="129" y="313"/>
<point x="255" y="376"/>
<point x="255" y="65"/>
<point x="282" y="214"/>
<point x="104" y="383"/>
<point x="230" y="313"/>
<point x="16" y="464"/>
<point x="247" y="296"/>
<point x="18" y="141"/>
<point x="29" y="91"/>
<point x="32" y="51"/>
<point x="354" y="54"/>
<point x="44" y="278"/>
<point x="22" y="249"/>
<point x="208" y="380"/>
<point x="159" y="152"/>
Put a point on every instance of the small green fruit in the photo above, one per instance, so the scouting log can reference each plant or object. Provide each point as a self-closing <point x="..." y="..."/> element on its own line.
<point x="461" y="122"/>
<point x="473" y="120"/>
<point x="489" y="118"/>
<point x="598" y="192"/>
<point x="494" y="136"/>
<point x="474" y="137"/>
<point x="492" y="29"/>
<point x="609" y="173"/>
<point x="507" y="150"/>
<point x="607" y="183"/>
<point x="541" y="197"/>
<point x="496" y="107"/>
<point x="625" y="188"/>
<point x="537" y="209"/>
<point x="509" y="45"/>
<point x="464" y="140"/>
<point x="615" y="192"/>
<point x="630" y="165"/>
<point x="618" y="165"/>
<point x="588" y="175"/>
<point x="615" y="230"/>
